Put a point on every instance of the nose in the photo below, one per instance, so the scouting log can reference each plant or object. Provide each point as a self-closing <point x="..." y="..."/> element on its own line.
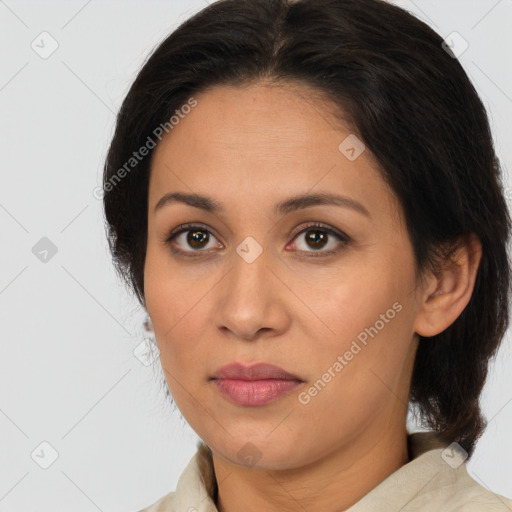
<point x="251" y="298"/>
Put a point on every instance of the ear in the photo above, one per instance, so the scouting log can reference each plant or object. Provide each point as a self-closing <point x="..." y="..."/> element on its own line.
<point x="448" y="291"/>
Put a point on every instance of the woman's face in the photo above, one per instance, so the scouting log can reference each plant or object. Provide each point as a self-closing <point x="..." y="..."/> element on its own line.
<point x="253" y="283"/>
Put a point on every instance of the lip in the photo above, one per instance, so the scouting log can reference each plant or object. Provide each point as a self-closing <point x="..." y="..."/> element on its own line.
<point x="258" y="371"/>
<point x="255" y="385"/>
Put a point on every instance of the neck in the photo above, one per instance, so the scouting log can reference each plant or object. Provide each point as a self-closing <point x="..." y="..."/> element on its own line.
<point x="335" y="482"/>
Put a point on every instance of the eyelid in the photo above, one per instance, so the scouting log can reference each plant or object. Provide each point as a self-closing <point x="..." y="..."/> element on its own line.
<point x="325" y="227"/>
<point x="188" y="226"/>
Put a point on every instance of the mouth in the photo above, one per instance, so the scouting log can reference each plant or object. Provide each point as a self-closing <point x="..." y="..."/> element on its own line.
<point x="255" y="385"/>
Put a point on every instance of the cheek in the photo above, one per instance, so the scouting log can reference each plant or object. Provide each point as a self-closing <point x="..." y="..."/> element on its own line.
<point x="369" y="316"/>
<point x="175" y="304"/>
<point x="353" y="299"/>
<point x="176" y="311"/>
<point x="355" y="372"/>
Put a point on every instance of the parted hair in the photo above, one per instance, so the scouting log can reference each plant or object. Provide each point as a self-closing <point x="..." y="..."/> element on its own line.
<point x="410" y="102"/>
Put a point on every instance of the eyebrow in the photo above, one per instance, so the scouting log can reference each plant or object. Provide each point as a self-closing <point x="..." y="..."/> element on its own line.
<point x="288" y="205"/>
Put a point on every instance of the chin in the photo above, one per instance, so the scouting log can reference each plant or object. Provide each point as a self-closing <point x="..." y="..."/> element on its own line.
<point x="259" y="451"/>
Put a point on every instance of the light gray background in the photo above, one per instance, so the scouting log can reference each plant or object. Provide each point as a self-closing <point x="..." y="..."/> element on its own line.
<point x="68" y="375"/>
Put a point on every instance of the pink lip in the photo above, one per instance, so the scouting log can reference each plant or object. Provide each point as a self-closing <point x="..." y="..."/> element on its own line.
<point x="254" y="385"/>
<point x="258" y="371"/>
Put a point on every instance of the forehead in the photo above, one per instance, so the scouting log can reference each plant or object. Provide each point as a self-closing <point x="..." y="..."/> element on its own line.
<point x="264" y="142"/>
<point x="278" y="115"/>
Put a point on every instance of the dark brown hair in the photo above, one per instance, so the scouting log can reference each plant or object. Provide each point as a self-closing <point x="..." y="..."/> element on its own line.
<point x="412" y="105"/>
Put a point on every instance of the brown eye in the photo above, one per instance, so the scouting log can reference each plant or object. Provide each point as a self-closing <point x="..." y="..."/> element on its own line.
<point x="191" y="240"/>
<point x="315" y="237"/>
<point x="197" y="239"/>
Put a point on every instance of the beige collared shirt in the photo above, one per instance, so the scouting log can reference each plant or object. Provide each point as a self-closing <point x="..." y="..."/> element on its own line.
<point x="435" y="480"/>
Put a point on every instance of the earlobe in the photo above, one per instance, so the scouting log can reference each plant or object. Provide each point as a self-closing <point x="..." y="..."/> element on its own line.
<point x="448" y="292"/>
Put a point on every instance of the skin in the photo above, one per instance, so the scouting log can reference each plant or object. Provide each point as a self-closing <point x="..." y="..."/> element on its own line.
<point x="249" y="148"/>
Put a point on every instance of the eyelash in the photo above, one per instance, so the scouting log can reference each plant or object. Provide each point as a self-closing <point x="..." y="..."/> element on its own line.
<point x="183" y="228"/>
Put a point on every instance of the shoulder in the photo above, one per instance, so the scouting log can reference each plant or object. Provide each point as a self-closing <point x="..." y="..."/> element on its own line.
<point x="450" y="487"/>
<point x="164" y="504"/>
<point x="196" y="487"/>
<point x="464" y="495"/>
<point x="435" y="479"/>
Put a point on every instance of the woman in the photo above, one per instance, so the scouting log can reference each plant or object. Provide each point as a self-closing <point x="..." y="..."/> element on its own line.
<point x="305" y="198"/>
